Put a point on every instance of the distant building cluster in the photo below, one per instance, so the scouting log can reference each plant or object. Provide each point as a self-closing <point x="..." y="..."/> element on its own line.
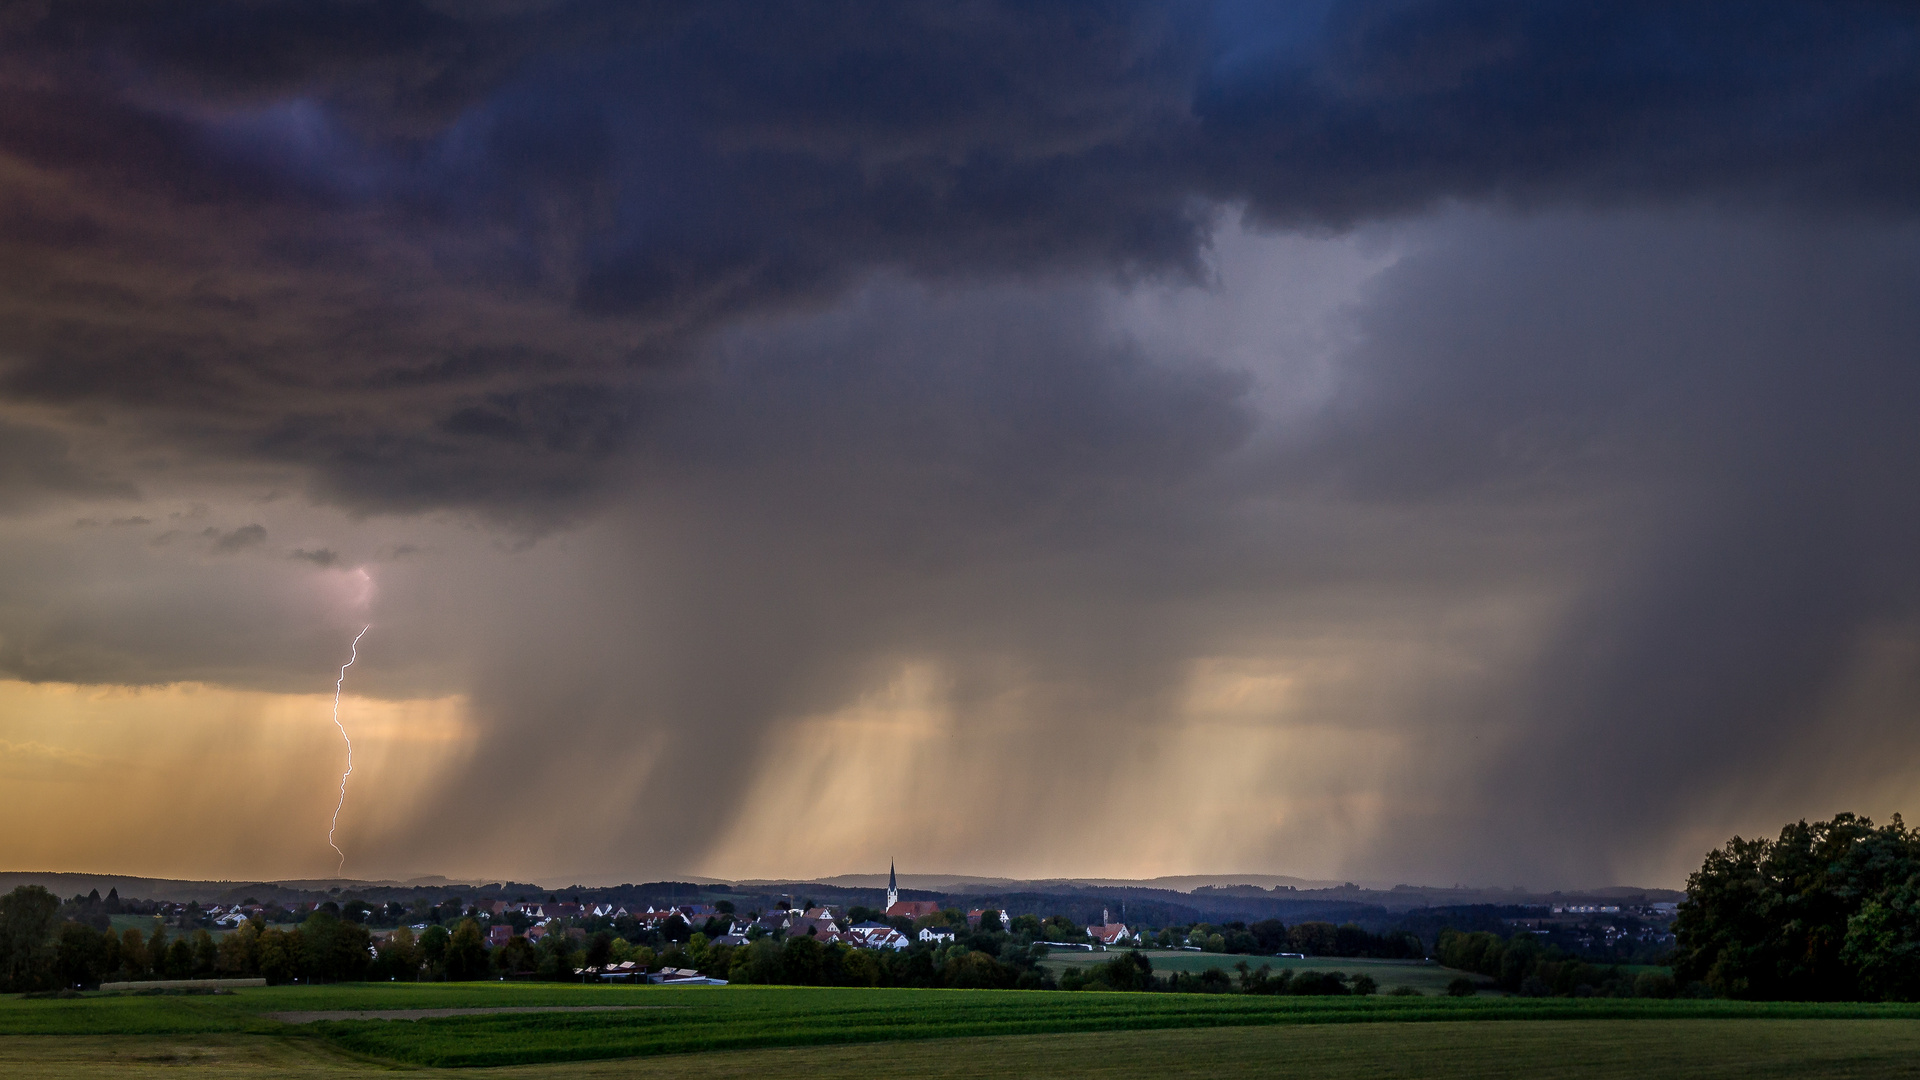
<point x="229" y="916"/>
<point x="827" y="924"/>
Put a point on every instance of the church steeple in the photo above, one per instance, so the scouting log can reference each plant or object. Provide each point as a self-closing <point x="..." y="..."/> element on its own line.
<point x="893" y="886"/>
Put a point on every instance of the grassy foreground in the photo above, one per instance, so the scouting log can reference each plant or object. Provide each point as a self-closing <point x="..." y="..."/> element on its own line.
<point x="687" y="1030"/>
<point x="1496" y="1050"/>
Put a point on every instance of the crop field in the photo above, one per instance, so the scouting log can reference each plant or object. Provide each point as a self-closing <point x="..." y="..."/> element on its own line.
<point x="777" y="1031"/>
<point x="1424" y="976"/>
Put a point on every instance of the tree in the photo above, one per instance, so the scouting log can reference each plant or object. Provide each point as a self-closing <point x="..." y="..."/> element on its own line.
<point x="433" y="946"/>
<point x="278" y="955"/>
<point x="803" y="959"/>
<point x="1314" y="938"/>
<point x="759" y="962"/>
<point x="1132" y="971"/>
<point x="861" y="968"/>
<point x="1318" y="983"/>
<point x="27" y="919"/>
<point x="516" y="956"/>
<point x="134" y="960"/>
<point x="977" y="971"/>
<point x="1269" y="935"/>
<point x="1823" y="912"/>
<point x="1882" y="944"/>
<point x="398" y="957"/>
<point x="330" y="949"/>
<point x="600" y="948"/>
<point x="238" y="953"/>
<point x="157" y="950"/>
<point x="1061" y="928"/>
<point x="467" y="953"/>
<point x="205" y="955"/>
<point x="80" y="955"/>
<point x="179" y="959"/>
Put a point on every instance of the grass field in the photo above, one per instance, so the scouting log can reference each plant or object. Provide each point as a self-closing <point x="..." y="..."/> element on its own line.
<point x="1495" y="1050"/>
<point x="143" y="923"/>
<point x="1428" y="978"/>
<point x="762" y="1031"/>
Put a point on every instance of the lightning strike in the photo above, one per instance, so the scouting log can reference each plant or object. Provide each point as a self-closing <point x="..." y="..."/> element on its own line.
<point x="353" y="653"/>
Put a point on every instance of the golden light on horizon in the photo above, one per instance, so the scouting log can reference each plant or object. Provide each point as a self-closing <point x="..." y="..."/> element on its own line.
<point x="195" y="780"/>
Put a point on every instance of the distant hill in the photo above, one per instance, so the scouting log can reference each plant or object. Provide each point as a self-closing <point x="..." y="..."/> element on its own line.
<point x="965" y="883"/>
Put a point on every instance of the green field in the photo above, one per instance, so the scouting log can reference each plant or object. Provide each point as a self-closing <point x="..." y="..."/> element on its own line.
<point x="1422" y="975"/>
<point x="142" y="923"/>
<point x="762" y="1031"/>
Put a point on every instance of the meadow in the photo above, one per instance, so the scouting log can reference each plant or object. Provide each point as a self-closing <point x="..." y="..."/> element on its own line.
<point x="777" y="1031"/>
<point x="1492" y="1050"/>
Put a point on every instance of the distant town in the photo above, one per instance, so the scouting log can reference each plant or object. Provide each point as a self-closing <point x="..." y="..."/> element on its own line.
<point x="820" y="934"/>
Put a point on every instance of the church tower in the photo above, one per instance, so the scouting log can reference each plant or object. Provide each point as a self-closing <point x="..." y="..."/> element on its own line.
<point x="893" y="886"/>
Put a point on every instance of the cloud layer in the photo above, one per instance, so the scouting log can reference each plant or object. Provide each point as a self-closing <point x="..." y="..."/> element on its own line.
<point x="757" y="410"/>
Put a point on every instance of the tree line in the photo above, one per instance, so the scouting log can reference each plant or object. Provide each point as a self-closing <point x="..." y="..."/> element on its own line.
<point x="1827" y="911"/>
<point x="978" y="964"/>
<point x="1522" y="965"/>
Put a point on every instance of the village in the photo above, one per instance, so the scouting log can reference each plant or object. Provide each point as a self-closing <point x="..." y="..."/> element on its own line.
<point x="682" y="931"/>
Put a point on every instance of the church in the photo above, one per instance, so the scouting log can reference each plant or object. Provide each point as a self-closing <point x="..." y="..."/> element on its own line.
<point x="912" y="909"/>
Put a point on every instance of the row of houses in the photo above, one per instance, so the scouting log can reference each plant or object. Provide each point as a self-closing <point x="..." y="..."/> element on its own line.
<point x="539" y="911"/>
<point x="824" y="925"/>
<point x="232" y="915"/>
<point x="628" y="971"/>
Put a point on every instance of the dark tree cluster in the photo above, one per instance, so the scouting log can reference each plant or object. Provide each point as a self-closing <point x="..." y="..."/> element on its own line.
<point x="1270" y="936"/>
<point x="1523" y="965"/>
<point x="74" y="955"/>
<point x="1133" y="971"/>
<point x="1828" y="911"/>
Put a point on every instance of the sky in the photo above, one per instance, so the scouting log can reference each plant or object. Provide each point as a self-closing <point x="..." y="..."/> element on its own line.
<point x="1412" y="441"/>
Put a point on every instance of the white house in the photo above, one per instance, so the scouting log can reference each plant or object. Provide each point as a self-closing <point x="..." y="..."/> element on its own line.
<point x="875" y="935"/>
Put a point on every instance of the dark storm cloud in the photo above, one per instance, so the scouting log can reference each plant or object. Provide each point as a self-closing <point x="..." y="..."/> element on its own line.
<point x="330" y="195"/>
<point x="1402" y="103"/>
<point x="321" y="557"/>
<point x="796" y="296"/>
<point x="229" y="541"/>
<point x="38" y="466"/>
<point x="915" y="476"/>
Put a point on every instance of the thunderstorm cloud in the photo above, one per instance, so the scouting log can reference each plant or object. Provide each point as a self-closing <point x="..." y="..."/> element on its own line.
<point x="1412" y="440"/>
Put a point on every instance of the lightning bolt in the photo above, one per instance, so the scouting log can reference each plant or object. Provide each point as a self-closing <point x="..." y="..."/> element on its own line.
<point x="353" y="653"/>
